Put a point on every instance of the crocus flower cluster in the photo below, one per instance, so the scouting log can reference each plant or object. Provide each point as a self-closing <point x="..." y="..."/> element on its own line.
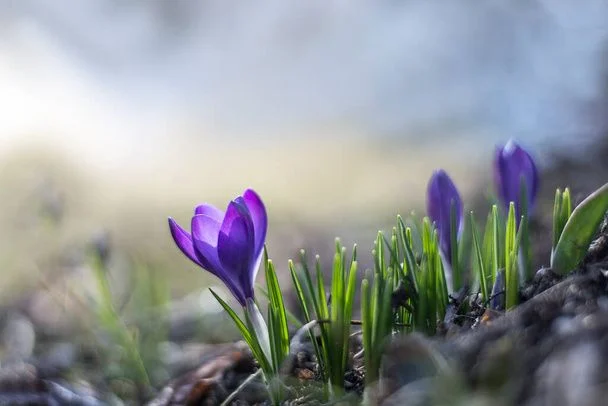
<point x="227" y="244"/>
<point x="230" y="245"/>
<point x="512" y="166"/>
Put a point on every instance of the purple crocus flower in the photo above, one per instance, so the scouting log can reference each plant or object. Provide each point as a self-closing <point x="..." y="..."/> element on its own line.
<point x="230" y="244"/>
<point x="512" y="165"/>
<point x="441" y="195"/>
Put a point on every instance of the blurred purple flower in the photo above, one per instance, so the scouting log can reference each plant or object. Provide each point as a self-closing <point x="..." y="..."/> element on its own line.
<point x="230" y="244"/>
<point x="512" y="164"/>
<point x="441" y="195"/>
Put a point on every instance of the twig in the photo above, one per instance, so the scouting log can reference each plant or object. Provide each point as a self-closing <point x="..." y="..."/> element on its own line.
<point x="359" y="322"/>
<point x="246" y="382"/>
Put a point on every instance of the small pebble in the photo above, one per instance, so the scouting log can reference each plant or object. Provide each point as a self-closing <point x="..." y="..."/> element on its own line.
<point x="18" y="337"/>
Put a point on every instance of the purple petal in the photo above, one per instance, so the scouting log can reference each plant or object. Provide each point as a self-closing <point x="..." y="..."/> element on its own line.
<point x="259" y="218"/>
<point x="235" y="246"/>
<point x="210" y="211"/>
<point x="183" y="240"/>
<point x="206" y="235"/>
<point x="512" y="164"/>
<point x="205" y="229"/>
<point x="205" y="232"/>
<point x="523" y="163"/>
<point x="235" y="242"/>
<point x="441" y="195"/>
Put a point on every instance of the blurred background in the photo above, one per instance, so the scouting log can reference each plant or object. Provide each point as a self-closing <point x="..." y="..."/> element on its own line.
<point x="116" y="114"/>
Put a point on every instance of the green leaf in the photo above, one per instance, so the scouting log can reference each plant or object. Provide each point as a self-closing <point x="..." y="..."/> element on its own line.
<point x="487" y="249"/>
<point x="348" y="309"/>
<point x="377" y="319"/>
<point x="337" y="289"/>
<point x="299" y="292"/>
<point x="274" y="339"/>
<point x="305" y="293"/>
<point x="562" y="209"/>
<point x="384" y="316"/>
<point x="409" y="264"/>
<point x="511" y="256"/>
<point x="375" y="302"/>
<point x="579" y="231"/>
<point x="321" y="299"/>
<point x="367" y="323"/>
<point x="393" y="248"/>
<point x="566" y="211"/>
<point x="511" y="230"/>
<point x="280" y="328"/>
<point x="335" y="319"/>
<point x="496" y="257"/>
<point x="465" y="246"/>
<point x="478" y="255"/>
<point x="247" y="336"/>
<point x="115" y="326"/>
<point x="525" y="246"/>
<point x="557" y="210"/>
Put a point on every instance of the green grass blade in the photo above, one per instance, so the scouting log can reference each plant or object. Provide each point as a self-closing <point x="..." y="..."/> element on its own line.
<point x="441" y="285"/>
<point x="336" y="326"/>
<point x="457" y="279"/>
<point x="348" y="310"/>
<point x="409" y="264"/>
<point x="321" y="297"/>
<point x="384" y="316"/>
<point x="511" y="263"/>
<point x="566" y="211"/>
<point x="244" y="330"/>
<point x="299" y="292"/>
<point x="433" y="286"/>
<point x="496" y="257"/>
<point x="557" y="212"/>
<point x="375" y="300"/>
<point x="111" y="321"/>
<point x="281" y="329"/>
<point x="465" y="245"/>
<point x="380" y="251"/>
<point x="367" y="323"/>
<point x="479" y="257"/>
<point x="487" y="248"/>
<point x="337" y="289"/>
<point x="274" y="339"/>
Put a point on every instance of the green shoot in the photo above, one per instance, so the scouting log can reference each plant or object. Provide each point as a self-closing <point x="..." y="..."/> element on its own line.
<point x="269" y="343"/>
<point x="525" y="249"/>
<point x="579" y="230"/>
<point x="334" y="320"/>
<point x="562" y="209"/>
<point x="376" y="318"/>
<point x="513" y="238"/>
<point x="457" y="276"/>
<point x="110" y="320"/>
<point x="482" y="268"/>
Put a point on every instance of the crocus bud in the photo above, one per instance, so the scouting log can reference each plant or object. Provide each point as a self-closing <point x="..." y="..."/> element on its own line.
<point x="227" y="244"/>
<point x="512" y="166"/>
<point x="443" y="200"/>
